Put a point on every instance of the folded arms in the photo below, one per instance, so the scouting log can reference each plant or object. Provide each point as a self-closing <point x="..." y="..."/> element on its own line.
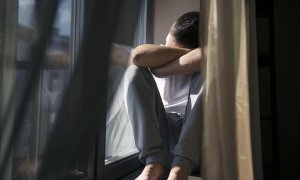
<point x="165" y="61"/>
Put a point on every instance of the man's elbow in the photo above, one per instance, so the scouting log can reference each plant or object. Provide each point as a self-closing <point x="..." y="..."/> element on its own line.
<point x="136" y="59"/>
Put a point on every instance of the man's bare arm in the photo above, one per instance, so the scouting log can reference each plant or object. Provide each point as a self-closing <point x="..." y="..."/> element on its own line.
<point x="188" y="63"/>
<point x="153" y="56"/>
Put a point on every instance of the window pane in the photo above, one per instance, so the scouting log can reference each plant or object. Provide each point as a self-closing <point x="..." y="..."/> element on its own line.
<point x="52" y="86"/>
<point x="119" y="135"/>
<point x="25" y="152"/>
<point x="54" y="78"/>
<point x="25" y="28"/>
<point x="58" y="52"/>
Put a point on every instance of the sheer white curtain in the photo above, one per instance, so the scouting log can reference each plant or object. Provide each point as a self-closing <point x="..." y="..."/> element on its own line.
<point x="231" y="144"/>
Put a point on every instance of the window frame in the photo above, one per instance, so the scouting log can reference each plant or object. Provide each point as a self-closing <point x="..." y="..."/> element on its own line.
<point x="95" y="161"/>
<point x="77" y="14"/>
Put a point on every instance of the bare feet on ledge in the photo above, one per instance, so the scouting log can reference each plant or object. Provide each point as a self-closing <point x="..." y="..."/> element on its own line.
<point x="153" y="171"/>
<point x="178" y="173"/>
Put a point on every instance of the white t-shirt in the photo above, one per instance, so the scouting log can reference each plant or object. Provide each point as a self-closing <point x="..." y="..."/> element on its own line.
<point x="174" y="91"/>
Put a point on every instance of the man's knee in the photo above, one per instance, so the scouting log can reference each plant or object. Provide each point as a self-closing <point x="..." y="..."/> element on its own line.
<point x="134" y="72"/>
<point x="133" y="69"/>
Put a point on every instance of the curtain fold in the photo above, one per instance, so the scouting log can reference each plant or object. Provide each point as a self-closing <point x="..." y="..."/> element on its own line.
<point x="8" y="28"/>
<point x="228" y="43"/>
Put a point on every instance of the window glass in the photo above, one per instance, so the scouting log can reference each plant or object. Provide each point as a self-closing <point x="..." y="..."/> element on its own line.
<point x="119" y="135"/>
<point x="54" y="77"/>
<point x="25" y="28"/>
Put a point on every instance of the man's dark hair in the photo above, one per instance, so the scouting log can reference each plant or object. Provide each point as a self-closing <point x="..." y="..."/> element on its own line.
<point x="186" y="29"/>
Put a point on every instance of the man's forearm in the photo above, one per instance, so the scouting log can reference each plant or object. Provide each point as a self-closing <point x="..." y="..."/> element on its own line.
<point x="186" y="64"/>
<point x="153" y="56"/>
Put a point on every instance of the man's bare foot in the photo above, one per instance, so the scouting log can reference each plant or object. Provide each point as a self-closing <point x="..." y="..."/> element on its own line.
<point x="178" y="173"/>
<point x="153" y="171"/>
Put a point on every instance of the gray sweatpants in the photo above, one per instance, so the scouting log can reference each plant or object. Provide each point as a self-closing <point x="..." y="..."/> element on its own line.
<point x="168" y="139"/>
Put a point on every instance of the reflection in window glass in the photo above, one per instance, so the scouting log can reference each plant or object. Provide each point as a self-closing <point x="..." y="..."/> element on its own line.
<point x="25" y="151"/>
<point x="119" y="135"/>
<point x="43" y="109"/>
<point x="52" y="87"/>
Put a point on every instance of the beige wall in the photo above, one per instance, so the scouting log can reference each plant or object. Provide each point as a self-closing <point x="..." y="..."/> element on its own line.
<point x="166" y="12"/>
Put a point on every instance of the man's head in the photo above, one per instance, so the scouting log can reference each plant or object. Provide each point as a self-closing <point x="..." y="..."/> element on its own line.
<point x="185" y="30"/>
